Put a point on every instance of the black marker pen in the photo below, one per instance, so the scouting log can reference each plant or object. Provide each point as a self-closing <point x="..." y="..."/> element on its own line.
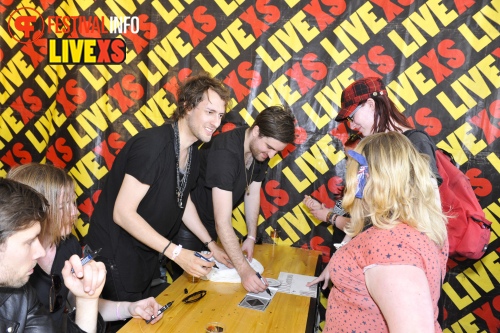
<point x="160" y="311"/>
<point x="206" y="259"/>
<point x="88" y="258"/>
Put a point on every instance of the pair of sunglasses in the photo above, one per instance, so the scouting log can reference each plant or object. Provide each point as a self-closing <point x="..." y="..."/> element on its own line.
<point x="56" y="301"/>
<point x="194" y="297"/>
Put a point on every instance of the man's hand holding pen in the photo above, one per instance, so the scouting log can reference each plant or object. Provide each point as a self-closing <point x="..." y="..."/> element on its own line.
<point x="193" y="265"/>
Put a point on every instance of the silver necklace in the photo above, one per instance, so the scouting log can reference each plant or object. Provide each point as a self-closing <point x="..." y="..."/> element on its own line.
<point x="249" y="181"/>
<point x="181" y="181"/>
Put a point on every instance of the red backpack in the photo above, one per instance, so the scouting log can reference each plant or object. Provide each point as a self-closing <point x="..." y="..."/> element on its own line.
<point x="468" y="229"/>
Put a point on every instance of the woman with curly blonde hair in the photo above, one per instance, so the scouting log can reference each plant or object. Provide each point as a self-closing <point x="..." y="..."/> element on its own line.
<point x="388" y="277"/>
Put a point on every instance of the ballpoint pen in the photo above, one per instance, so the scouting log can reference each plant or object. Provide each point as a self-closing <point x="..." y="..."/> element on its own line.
<point x="264" y="282"/>
<point x="88" y="258"/>
<point x="206" y="259"/>
<point x="160" y="311"/>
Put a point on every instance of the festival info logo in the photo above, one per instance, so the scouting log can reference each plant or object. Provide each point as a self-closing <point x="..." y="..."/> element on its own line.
<point x="26" y="25"/>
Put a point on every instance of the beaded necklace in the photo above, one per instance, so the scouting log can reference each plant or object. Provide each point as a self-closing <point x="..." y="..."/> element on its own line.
<point x="181" y="180"/>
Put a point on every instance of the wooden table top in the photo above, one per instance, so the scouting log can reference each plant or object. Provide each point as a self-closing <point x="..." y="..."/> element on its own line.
<point x="286" y="313"/>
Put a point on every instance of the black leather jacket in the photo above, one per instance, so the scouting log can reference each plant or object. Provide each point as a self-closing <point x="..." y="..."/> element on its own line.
<point x="20" y="311"/>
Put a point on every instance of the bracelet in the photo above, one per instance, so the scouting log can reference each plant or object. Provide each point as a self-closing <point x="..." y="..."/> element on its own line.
<point x="252" y="238"/>
<point x="329" y="216"/>
<point x="118" y="312"/>
<point x="176" y="252"/>
<point x="166" y="247"/>
<point x="334" y="220"/>
<point x="206" y="243"/>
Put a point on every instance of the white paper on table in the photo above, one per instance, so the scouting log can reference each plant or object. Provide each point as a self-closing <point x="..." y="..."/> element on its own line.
<point x="295" y="284"/>
<point x="230" y="275"/>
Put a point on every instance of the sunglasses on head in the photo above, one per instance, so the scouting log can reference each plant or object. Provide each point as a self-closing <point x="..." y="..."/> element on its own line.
<point x="351" y="116"/>
<point x="56" y="301"/>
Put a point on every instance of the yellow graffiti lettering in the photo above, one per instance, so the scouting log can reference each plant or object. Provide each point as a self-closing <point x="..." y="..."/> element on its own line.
<point x="168" y="16"/>
<point x="494" y="160"/>
<point x="80" y="172"/>
<point x="465" y="134"/>
<point x="46" y="126"/>
<point x="465" y="324"/>
<point x="7" y="119"/>
<point x="97" y="83"/>
<point x="229" y="7"/>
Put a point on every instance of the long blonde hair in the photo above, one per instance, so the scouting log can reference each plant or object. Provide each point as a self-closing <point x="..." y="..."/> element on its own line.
<point x="51" y="182"/>
<point x="398" y="189"/>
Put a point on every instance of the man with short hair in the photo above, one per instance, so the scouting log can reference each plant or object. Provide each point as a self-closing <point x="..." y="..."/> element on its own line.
<point x="141" y="206"/>
<point x="233" y="166"/>
<point x="22" y="209"/>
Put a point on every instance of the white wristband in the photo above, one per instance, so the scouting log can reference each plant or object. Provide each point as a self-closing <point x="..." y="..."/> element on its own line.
<point x="252" y="238"/>
<point x="176" y="252"/>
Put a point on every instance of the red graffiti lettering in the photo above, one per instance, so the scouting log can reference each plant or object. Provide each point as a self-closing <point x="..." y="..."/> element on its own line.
<point x="463" y="5"/>
<point x="482" y="186"/>
<point x="26" y="104"/>
<point x="335" y="185"/>
<point x="173" y="84"/>
<point x="322" y="18"/>
<point x="239" y="89"/>
<point x="36" y="56"/>
<point x="483" y="121"/>
<point x="66" y="153"/>
<point x="295" y="73"/>
<point x="208" y="22"/>
<point x="337" y="7"/>
<point x="456" y="56"/>
<point x="433" y="125"/>
<point x="290" y="148"/>
<point x="439" y="71"/>
<point x="300" y="135"/>
<point x="267" y="208"/>
<point x="195" y="35"/>
<point x="258" y="26"/>
<point x="319" y="69"/>
<point x="485" y="312"/>
<point x="87" y="206"/>
<point x="16" y="156"/>
<point x="391" y="10"/>
<point x="78" y="96"/>
<point x="272" y="13"/>
<point x="321" y="195"/>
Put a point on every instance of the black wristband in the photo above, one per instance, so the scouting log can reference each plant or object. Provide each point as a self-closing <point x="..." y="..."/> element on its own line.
<point x="166" y="247"/>
<point x="206" y="243"/>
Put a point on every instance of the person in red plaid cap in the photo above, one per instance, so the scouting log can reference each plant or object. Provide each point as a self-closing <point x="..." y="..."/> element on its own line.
<point x="367" y="108"/>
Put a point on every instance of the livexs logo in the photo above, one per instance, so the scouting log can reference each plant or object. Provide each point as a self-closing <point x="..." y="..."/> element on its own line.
<point x="86" y="51"/>
<point x="73" y="39"/>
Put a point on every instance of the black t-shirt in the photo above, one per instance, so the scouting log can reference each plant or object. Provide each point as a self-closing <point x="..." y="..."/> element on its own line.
<point x="150" y="158"/>
<point x="41" y="281"/>
<point x="426" y="146"/>
<point x="223" y="165"/>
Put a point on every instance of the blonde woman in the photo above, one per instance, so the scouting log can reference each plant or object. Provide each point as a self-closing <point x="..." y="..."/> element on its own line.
<point x="388" y="277"/>
<point x="59" y="244"/>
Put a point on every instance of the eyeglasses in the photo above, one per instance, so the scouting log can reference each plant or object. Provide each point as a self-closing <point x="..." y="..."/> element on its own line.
<point x="55" y="300"/>
<point x="194" y="297"/>
<point x="351" y="117"/>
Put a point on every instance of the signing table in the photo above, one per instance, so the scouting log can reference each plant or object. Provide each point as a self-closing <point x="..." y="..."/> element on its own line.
<point x="285" y="313"/>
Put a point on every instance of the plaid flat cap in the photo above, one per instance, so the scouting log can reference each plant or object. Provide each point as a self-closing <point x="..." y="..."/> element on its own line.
<point x="357" y="92"/>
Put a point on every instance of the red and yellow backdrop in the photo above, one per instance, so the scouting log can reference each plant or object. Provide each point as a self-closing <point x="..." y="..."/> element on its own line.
<point x="79" y="78"/>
